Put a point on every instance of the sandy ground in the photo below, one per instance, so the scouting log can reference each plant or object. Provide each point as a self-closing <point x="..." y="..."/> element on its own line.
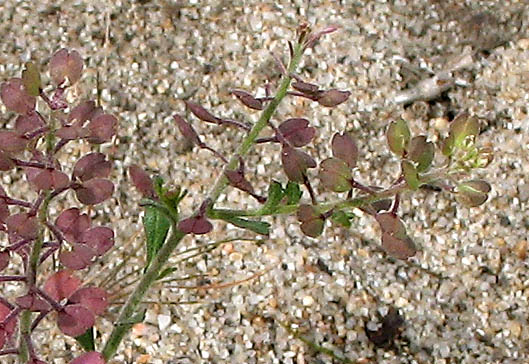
<point x="463" y="298"/>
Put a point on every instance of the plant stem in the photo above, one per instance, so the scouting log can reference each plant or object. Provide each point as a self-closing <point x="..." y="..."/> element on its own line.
<point x="123" y="324"/>
<point x="31" y="278"/>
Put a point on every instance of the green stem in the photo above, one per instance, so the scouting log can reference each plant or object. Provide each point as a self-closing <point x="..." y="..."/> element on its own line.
<point x="31" y="279"/>
<point x="123" y="324"/>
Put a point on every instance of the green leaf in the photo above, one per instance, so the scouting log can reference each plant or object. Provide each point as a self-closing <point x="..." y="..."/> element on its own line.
<point x="398" y="135"/>
<point x="31" y="79"/>
<point x="86" y="340"/>
<point x="275" y="195"/>
<point x="258" y="227"/>
<point x="410" y="174"/>
<point x="343" y="218"/>
<point x="156" y="226"/>
<point x="293" y="193"/>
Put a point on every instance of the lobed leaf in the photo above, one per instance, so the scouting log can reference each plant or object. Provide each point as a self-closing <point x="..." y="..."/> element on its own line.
<point x="23" y="225"/>
<point x="15" y="97"/>
<point x="28" y="123"/>
<point x="92" y="165"/>
<point x="6" y="330"/>
<point x="75" y="319"/>
<point x="297" y="131"/>
<point x="32" y="302"/>
<point x="195" y="225"/>
<point x="49" y="179"/>
<point x="62" y="285"/>
<point x="312" y="222"/>
<point x="6" y="163"/>
<point x="83" y="112"/>
<point x="72" y="224"/>
<point x="94" y="191"/>
<point x="66" y="64"/>
<point x="398" y="247"/>
<point x="99" y="238"/>
<point x="93" y="298"/>
<point x="238" y="180"/>
<point x="80" y="257"/>
<point x="4" y="259"/>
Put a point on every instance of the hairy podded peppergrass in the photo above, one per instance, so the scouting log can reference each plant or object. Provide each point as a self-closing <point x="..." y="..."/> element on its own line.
<point x="37" y="139"/>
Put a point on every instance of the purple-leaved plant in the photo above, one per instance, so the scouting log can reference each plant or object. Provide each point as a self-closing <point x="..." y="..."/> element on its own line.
<point x="35" y="142"/>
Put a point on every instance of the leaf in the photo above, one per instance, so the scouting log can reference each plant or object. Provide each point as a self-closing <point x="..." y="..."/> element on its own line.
<point x="400" y="247"/>
<point x="297" y="131"/>
<point x="102" y="128"/>
<point x="23" y="225"/>
<point x="93" y="298"/>
<point x="421" y="152"/>
<point x="80" y="257"/>
<point x="472" y="193"/>
<point x="201" y="113"/>
<point x="343" y="218"/>
<point x="31" y="79"/>
<point x="15" y="97"/>
<point x="87" y="340"/>
<point x="166" y="272"/>
<point x="156" y="226"/>
<point x="6" y="330"/>
<point x="275" y="194"/>
<point x="66" y="64"/>
<point x="312" y="222"/>
<point x="99" y="238"/>
<point x="62" y="285"/>
<point x="295" y="163"/>
<point x="89" y="358"/>
<point x="75" y="319"/>
<point x="142" y="181"/>
<point x="187" y="130"/>
<point x="410" y="174"/>
<point x="398" y="136"/>
<point x="462" y="128"/>
<point x="293" y="193"/>
<point x="12" y="142"/>
<point x="333" y="97"/>
<point x="92" y="165"/>
<point x="344" y="147"/>
<point x="94" y="191"/>
<point x="72" y="224"/>
<point x="248" y="100"/>
<point x="195" y="225"/>
<point x="335" y="175"/>
<point x="390" y="329"/>
<point x="258" y="227"/>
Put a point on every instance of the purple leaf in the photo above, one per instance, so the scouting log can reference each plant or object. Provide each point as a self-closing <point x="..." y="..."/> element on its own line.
<point x="32" y="302"/>
<point x="80" y="257"/>
<point x="100" y="238"/>
<point x="83" y="112"/>
<point x="62" y="285"/>
<point x="89" y="358"/>
<point x="73" y="132"/>
<point x="195" y="225"/>
<point x="306" y="88"/>
<point x="12" y="142"/>
<point x="28" y="123"/>
<point x="344" y="147"/>
<point x="142" y="181"/>
<point x="66" y="64"/>
<point x="201" y="113"/>
<point x="333" y="97"/>
<point x="295" y="163"/>
<point x="4" y="259"/>
<point x="15" y="97"/>
<point x="6" y="163"/>
<point x="248" y="100"/>
<point x="398" y="247"/>
<point x="91" y="166"/>
<point x="75" y="319"/>
<point x="23" y="225"/>
<point x="297" y="131"/>
<point x="237" y="180"/>
<point x="187" y="130"/>
<point x="102" y="128"/>
<point x="93" y="298"/>
<point x="72" y="224"/>
<point x="7" y="330"/>
<point x="335" y="175"/>
<point x="94" y="191"/>
<point x="312" y="222"/>
<point x="49" y="179"/>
